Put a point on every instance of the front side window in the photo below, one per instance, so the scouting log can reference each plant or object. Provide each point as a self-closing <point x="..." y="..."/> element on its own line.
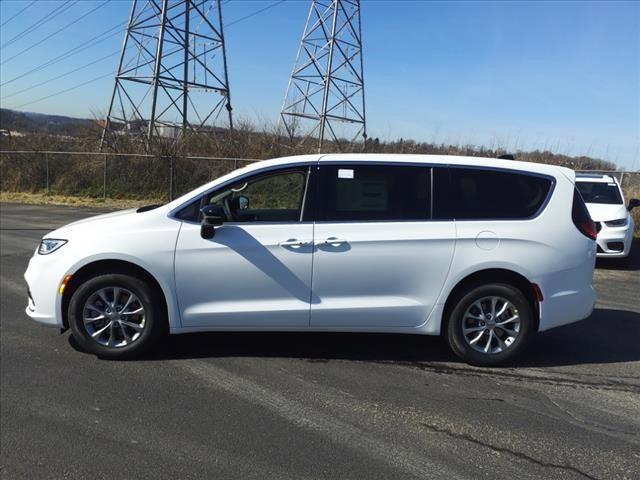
<point x="374" y="193"/>
<point x="600" y="192"/>
<point x="476" y="194"/>
<point x="271" y="197"/>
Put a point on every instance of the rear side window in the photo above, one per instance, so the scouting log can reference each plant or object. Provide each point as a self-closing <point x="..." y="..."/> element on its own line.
<point x="374" y="193"/>
<point x="476" y="194"/>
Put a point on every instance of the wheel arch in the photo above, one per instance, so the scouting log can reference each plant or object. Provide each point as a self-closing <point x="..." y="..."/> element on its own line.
<point x="111" y="266"/>
<point x="494" y="275"/>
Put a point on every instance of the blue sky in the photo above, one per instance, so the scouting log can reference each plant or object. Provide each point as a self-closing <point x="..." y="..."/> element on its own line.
<point x="518" y="75"/>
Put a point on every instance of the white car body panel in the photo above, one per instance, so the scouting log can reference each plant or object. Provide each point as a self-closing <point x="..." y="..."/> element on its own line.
<point x="386" y="277"/>
<point x="243" y="276"/>
<point x="383" y="274"/>
<point x="144" y="239"/>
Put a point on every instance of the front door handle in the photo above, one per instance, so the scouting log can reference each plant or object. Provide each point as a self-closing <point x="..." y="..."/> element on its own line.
<point x="293" y="243"/>
<point x="334" y="241"/>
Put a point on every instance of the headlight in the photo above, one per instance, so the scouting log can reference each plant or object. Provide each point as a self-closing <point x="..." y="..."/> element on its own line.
<point x="621" y="222"/>
<point x="49" y="245"/>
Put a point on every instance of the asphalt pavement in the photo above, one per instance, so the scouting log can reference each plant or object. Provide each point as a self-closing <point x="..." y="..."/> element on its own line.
<point x="315" y="406"/>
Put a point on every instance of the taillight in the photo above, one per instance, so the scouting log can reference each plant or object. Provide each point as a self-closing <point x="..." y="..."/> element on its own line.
<point x="581" y="218"/>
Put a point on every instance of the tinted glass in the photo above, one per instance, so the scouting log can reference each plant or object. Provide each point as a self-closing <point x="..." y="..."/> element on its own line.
<point x="374" y="192"/>
<point x="491" y="194"/>
<point x="275" y="197"/>
<point x="267" y="198"/>
<point x="191" y="212"/>
<point x="599" y="192"/>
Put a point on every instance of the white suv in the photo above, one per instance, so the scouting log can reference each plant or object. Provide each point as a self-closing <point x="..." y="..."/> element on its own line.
<point x="485" y="252"/>
<point x="605" y="202"/>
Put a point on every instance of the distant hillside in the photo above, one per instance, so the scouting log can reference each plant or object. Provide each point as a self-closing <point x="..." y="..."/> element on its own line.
<point x="28" y="122"/>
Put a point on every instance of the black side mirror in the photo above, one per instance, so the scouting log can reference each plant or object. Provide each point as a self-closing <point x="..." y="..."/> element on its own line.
<point x="633" y="203"/>
<point x="212" y="217"/>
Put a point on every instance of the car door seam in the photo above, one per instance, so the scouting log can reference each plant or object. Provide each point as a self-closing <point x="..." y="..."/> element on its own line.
<point x="175" y="283"/>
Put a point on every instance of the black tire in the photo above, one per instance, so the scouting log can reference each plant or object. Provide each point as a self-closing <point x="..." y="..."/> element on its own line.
<point x="155" y="321"/>
<point x="454" y="324"/>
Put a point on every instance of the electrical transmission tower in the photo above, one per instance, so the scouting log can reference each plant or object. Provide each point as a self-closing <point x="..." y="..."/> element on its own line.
<point x="172" y="75"/>
<point x="325" y="95"/>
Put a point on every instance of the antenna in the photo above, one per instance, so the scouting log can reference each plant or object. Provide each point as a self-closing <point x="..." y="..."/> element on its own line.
<point x="172" y="75"/>
<point x="325" y="95"/>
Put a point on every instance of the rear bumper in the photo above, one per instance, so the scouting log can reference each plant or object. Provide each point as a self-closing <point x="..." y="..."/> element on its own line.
<point x="569" y="295"/>
<point x="566" y="306"/>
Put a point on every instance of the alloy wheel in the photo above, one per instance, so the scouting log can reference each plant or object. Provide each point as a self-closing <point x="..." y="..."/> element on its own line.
<point x="114" y="317"/>
<point x="491" y="325"/>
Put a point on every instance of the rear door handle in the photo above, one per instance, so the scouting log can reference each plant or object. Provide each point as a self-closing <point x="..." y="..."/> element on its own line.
<point x="293" y="243"/>
<point x="334" y="241"/>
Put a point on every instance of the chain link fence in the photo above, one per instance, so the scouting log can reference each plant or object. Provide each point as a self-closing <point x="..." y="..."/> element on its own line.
<point x="146" y="177"/>
<point x="108" y="175"/>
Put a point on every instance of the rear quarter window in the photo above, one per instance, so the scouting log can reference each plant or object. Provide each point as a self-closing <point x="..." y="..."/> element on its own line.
<point x="476" y="194"/>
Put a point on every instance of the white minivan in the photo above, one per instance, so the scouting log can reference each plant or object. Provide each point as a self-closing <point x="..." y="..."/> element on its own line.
<point x="484" y="252"/>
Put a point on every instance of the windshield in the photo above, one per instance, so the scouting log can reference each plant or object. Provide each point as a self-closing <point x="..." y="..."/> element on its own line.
<point x="599" y="192"/>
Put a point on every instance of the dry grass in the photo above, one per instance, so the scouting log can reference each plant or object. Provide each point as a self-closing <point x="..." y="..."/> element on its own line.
<point x="629" y="193"/>
<point x="43" y="199"/>
<point x="133" y="181"/>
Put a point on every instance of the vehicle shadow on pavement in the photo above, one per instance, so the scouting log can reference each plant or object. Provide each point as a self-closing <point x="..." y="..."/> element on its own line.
<point x="607" y="336"/>
<point x="631" y="263"/>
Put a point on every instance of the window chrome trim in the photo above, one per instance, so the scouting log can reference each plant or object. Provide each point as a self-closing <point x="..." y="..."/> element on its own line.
<point x="304" y="195"/>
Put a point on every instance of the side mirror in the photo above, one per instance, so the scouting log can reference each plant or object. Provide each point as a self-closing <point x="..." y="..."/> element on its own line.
<point x="243" y="202"/>
<point x="633" y="203"/>
<point x="212" y="217"/>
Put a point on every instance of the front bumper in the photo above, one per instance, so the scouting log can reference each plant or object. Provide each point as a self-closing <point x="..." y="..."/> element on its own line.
<point x="614" y="241"/>
<point x="43" y="277"/>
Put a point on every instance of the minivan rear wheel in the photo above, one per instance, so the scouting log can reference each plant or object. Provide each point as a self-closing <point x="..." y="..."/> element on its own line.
<point x="489" y="324"/>
<point x="115" y="316"/>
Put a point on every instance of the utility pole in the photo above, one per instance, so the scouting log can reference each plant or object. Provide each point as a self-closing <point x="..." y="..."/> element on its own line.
<point x="172" y="77"/>
<point x="325" y="95"/>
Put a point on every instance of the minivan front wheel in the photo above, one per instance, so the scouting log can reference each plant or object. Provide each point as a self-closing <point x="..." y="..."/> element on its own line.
<point x="489" y="324"/>
<point x="115" y="316"/>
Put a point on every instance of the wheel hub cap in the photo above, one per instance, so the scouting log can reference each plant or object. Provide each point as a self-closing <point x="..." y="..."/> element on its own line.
<point x="114" y="317"/>
<point x="491" y="325"/>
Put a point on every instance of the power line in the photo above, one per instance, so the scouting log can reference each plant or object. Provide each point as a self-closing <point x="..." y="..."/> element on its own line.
<point x="264" y="9"/>
<point x="55" y="33"/>
<point x="65" y="90"/>
<point x="46" y="19"/>
<point x="16" y="14"/>
<point x="70" y="53"/>
<point x="96" y="40"/>
<point x="62" y="75"/>
<point x="89" y="44"/>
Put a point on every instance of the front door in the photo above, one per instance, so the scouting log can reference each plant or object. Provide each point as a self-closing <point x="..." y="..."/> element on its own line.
<point x="256" y="270"/>
<point x="380" y="261"/>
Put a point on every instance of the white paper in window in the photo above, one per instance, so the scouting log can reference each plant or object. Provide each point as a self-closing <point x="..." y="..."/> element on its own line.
<point x="345" y="173"/>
